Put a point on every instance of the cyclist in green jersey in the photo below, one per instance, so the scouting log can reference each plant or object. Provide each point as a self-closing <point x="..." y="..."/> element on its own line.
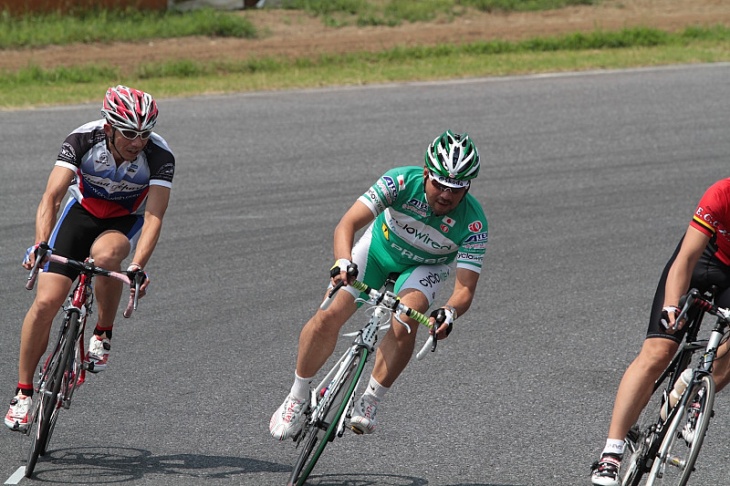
<point x="421" y="223"/>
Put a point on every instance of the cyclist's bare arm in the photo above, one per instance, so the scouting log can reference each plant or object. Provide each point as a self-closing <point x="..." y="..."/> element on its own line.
<point x="56" y="187"/>
<point x="355" y="219"/>
<point x="155" y="208"/>
<point x="680" y="273"/>
<point x="465" y="286"/>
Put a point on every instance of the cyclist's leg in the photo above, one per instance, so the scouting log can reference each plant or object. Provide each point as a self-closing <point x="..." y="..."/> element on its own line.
<point x="108" y="251"/>
<point x="317" y="341"/>
<point x="53" y="287"/>
<point x="637" y="384"/>
<point x="52" y="291"/>
<point x="318" y="337"/>
<point x="114" y="239"/>
<point x="417" y="288"/>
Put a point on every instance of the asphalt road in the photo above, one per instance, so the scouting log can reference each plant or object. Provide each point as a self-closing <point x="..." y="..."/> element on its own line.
<point x="588" y="182"/>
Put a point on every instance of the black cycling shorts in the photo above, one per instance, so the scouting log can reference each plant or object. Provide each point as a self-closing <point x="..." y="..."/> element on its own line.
<point x="76" y="231"/>
<point x="708" y="272"/>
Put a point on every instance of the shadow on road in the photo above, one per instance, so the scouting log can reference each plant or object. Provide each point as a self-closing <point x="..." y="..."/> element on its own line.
<point x="116" y="465"/>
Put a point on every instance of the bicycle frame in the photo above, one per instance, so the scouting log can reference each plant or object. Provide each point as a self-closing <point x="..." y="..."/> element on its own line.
<point x="65" y="369"/>
<point x="332" y="400"/>
<point x="653" y="445"/>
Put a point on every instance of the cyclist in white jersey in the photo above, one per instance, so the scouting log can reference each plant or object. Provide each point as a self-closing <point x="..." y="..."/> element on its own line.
<point x="119" y="176"/>
<point x="422" y="224"/>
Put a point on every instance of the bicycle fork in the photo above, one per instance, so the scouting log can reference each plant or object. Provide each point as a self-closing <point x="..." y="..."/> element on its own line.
<point x="365" y="339"/>
<point x="75" y="368"/>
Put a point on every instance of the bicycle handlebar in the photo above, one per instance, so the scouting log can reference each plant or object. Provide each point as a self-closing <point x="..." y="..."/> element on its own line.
<point x="89" y="268"/>
<point x="694" y="299"/>
<point x="394" y="304"/>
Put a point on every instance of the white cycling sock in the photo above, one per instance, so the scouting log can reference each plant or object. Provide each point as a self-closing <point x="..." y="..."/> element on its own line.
<point x="300" y="388"/>
<point x="614" y="446"/>
<point x="376" y="389"/>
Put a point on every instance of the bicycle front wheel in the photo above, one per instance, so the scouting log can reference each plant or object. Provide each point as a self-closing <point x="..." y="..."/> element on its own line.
<point x="683" y="440"/>
<point x="47" y="405"/>
<point x="321" y="431"/>
<point x="642" y="443"/>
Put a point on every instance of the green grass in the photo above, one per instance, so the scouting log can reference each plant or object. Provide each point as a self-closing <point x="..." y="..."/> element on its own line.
<point x="395" y="12"/>
<point x="118" y="25"/>
<point x="34" y="86"/>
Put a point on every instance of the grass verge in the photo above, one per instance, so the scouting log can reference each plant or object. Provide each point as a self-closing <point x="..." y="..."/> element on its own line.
<point x="599" y="50"/>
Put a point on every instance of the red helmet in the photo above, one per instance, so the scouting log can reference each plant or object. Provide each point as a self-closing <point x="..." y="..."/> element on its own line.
<point x="129" y="108"/>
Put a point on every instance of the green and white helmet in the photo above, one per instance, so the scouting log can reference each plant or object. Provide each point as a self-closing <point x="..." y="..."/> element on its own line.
<point x="453" y="159"/>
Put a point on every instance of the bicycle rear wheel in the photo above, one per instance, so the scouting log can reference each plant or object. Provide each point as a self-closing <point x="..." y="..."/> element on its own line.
<point x="322" y="431"/>
<point x="47" y="405"/>
<point x="683" y="440"/>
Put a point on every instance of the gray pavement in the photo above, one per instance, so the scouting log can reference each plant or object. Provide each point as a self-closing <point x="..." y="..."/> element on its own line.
<point x="588" y="181"/>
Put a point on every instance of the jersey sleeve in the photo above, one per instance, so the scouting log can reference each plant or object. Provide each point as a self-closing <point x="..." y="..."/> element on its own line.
<point x="161" y="162"/>
<point x="384" y="192"/>
<point x="712" y="209"/>
<point x="474" y="246"/>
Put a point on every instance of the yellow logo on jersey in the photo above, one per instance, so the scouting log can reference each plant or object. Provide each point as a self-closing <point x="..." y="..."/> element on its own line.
<point x="386" y="231"/>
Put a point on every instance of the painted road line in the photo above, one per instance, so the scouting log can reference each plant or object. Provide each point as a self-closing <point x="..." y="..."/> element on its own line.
<point x="17" y="476"/>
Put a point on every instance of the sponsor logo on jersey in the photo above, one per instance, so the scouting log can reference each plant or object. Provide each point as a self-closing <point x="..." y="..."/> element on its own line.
<point x="477" y="238"/>
<point x="417" y="258"/>
<point x="416" y="206"/>
<point x="386" y="231"/>
<point x="470" y="257"/>
<point x="401" y="182"/>
<point x="375" y="199"/>
<point x="475" y="227"/>
<point x="433" y="279"/>
<point x="423" y="236"/>
<point x="391" y="191"/>
<point x="706" y="219"/>
<point x="68" y="154"/>
<point x="446" y="223"/>
<point x="474" y="246"/>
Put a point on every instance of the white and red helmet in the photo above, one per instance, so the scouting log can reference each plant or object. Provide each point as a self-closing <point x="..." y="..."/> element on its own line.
<point x="129" y="108"/>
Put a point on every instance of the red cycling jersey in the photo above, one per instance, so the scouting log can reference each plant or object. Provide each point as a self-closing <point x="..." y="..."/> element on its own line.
<point x="712" y="217"/>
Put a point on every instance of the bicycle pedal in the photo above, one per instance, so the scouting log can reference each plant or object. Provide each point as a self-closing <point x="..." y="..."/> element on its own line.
<point x="356" y="430"/>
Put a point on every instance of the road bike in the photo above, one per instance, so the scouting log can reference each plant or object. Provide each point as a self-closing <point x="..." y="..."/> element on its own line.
<point x="332" y="400"/>
<point x="64" y="370"/>
<point x="666" y="441"/>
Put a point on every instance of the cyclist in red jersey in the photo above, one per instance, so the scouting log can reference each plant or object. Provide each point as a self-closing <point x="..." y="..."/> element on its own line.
<point x="701" y="261"/>
<point x="118" y="173"/>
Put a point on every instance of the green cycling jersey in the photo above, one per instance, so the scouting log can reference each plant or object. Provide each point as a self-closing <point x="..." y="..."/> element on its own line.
<point x="411" y="234"/>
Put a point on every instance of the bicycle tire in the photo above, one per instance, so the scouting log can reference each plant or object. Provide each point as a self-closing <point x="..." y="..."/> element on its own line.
<point x="44" y="420"/>
<point x="642" y="442"/>
<point x="675" y="466"/>
<point x="317" y="437"/>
